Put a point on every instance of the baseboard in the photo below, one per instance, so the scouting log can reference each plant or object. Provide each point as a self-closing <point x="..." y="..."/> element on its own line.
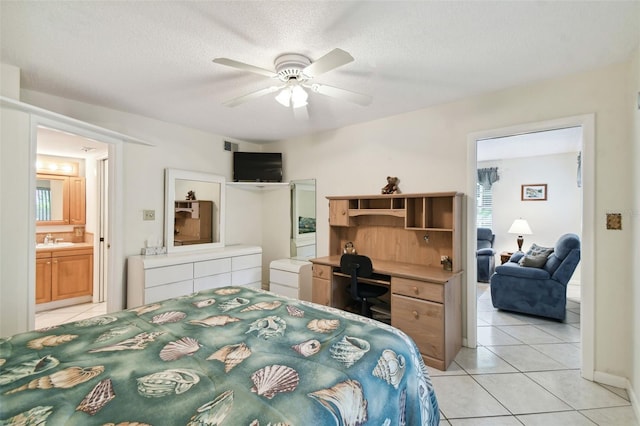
<point x="619" y="382"/>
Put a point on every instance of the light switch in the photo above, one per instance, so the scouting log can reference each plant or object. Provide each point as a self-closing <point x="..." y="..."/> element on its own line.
<point x="148" y="215"/>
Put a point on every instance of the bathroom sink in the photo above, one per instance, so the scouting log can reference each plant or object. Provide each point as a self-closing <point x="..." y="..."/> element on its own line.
<point x="56" y="245"/>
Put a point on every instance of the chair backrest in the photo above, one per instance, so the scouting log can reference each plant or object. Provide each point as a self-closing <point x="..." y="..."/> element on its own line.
<point x="485" y="238"/>
<point x="356" y="265"/>
<point x="564" y="259"/>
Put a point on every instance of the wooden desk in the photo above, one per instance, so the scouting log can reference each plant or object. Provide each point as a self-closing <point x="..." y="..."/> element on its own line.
<point x="426" y="303"/>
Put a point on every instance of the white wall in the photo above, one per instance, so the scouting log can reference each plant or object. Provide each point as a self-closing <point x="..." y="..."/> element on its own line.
<point x="550" y="219"/>
<point x="427" y="150"/>
<point x="634" y="100"/>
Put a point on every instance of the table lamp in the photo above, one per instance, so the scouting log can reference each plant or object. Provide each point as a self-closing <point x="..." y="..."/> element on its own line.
<point x="520" y="227"/>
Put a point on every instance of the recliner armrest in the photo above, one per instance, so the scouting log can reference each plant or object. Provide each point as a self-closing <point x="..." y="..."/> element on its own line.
<point x="513" y="269"/>
<point x="486" y="252"/>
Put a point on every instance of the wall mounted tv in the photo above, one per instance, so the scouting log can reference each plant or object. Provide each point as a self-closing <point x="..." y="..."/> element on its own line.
<point x="257" y="166"/>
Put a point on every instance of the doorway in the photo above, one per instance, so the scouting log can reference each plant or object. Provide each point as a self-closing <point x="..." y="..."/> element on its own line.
<point x="91" y="160"/>
<point x="586" y="123"/>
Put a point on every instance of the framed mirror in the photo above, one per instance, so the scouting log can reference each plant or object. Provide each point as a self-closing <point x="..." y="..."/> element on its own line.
<point x="194" y="210"/>
<point x="303" y="219"/>
<point x="52" y="200"/>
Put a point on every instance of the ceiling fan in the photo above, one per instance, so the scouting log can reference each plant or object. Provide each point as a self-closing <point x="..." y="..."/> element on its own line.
<point x="295" y="72"/>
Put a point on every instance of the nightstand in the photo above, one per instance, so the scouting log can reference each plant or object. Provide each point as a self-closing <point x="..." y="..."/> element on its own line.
<point x="505" y="256"/>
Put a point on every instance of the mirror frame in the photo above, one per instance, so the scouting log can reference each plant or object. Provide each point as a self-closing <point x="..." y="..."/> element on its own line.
<point x="295" y="236"/>
<point x="171" y="175"/>
<point x="65" y="199"/>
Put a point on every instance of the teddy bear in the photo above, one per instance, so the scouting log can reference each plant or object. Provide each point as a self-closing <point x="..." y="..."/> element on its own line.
<point x="391" y="186"/>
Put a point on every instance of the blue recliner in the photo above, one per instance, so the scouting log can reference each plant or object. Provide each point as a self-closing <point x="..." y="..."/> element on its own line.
<point x="537" y="291"/>
<point x="485" y="254"/>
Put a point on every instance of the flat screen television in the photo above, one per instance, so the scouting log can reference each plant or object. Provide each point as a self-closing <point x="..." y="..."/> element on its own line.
<point x="257" y="166"/>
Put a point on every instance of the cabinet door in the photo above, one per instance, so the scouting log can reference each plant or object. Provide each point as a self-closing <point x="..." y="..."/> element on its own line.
<point x="339" y="212"/>
<point x="72" y="276"/>
<point x="77" y="200"/>
<point x="321" y="291"/>
<point x="43" y="280"/>
<point x="423" y="321"/>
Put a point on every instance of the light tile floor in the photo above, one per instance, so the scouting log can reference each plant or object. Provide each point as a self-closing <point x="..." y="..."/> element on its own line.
<point x="69" y="314"/>
<point x="526" y="371"/>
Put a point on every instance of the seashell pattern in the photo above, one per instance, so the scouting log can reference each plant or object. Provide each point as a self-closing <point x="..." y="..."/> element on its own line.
<point x="27" y="368"/>
<point x="67" y="378"/>
<point x="146" y="308"/>
<point x="99" y="396"/>
<point x="234" y="303"/>
<point x="213" y="412"/>
<point x="268" y="327"/>
<point x="2" y="361"/>
<point x="308" y="348"/>
<point x="114" y="332"/>
<point x="294" y="311"/>
<point x="90" y="322"/>
<point x="349" y="350"/>
<point x="36" y="416"/>
<point x="52" y="340"/>
<point x="127" y="424"/>
<point x="345" y="401"/>
<point x="214" y="321"/>
<point x="167" y="382"/>
<point x="168" y="317"/>
<point x="323" y="325"/>
<point x="390" y="368"/>
<point x="231" y="355"/>
<point x="176" y="350"/>
<point x="263" y="306"/>
<point x="138" y="342"/>
<point x="204" y="303"/>
<point x="227" y="291"/>
<point x="273" y="379"/>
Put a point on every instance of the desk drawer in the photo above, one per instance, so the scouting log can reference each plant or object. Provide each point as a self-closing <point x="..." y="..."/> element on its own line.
<point x="322" y="271"/>
<point x="423" y="321"/>
<point x="420" y="289"/>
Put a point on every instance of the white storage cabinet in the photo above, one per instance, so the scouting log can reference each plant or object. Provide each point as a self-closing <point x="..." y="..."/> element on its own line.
<point x="154" y="278"/>
<point x="291" y="278"/>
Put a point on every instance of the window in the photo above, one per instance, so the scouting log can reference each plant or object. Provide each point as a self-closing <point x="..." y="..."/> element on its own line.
<point x="43" y="204"/>
<point x="484" y="201"/>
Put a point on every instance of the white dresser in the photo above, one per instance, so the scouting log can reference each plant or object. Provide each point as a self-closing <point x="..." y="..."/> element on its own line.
<point x="291" y="278"/>
<point x="154" y="278"/>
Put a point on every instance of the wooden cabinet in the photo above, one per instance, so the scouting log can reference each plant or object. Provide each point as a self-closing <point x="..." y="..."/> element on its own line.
<point x="431" y="313"/>
<point x="77" y="200"/>
<point x="193" y="221"/>
<point x="63" y="274"/>
<point x="406" y="236"/>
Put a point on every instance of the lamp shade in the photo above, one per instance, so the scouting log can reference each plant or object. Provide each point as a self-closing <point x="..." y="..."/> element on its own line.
<point x="520" y="227"/>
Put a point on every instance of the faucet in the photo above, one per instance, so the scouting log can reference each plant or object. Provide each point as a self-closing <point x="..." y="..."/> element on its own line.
<point x="48" y="239"/>
<point x="57" y="240"/>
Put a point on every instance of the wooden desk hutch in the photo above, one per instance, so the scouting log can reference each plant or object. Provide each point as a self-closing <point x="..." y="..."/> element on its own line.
<point x="406" y="236"/>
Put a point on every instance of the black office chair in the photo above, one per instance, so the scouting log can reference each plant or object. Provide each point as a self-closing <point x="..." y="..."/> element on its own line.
<point x="360" y="266"/>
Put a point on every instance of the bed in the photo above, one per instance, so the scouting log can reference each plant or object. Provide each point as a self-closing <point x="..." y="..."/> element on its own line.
<point x="229" y="356"/>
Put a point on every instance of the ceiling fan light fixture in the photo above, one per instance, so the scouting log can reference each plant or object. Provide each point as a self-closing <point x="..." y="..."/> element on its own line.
<point x="284" y="97"/>
<point x="299" y="97"/>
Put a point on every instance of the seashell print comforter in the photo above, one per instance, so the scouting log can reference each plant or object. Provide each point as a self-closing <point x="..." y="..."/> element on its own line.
<point x="229" y="356"/>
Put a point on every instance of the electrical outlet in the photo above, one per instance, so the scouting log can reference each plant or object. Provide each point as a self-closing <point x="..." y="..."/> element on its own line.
<point x="148" y="215"/>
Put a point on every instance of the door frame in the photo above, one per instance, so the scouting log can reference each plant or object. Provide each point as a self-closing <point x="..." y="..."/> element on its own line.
<point x="587" y="274"/>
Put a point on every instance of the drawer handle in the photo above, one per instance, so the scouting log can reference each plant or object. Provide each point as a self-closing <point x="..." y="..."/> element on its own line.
<point x="320" y="272"/>
<point x="344" y="212"/>
<point x="415" y="290"/>
<point x="415" y="314"/>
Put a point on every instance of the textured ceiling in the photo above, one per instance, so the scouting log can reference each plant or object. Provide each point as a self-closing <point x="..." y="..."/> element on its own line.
<point x="155" y="58"/>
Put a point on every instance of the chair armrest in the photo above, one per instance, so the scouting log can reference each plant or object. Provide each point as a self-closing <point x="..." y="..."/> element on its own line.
<point x="515" y="257"/>
<point x="486" y="252"/>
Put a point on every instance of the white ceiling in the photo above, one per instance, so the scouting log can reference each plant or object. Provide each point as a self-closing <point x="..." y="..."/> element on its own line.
<point x="154" y="58"/>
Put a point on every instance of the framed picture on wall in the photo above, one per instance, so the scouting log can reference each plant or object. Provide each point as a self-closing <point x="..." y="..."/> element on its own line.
<point x="534" y="192"/>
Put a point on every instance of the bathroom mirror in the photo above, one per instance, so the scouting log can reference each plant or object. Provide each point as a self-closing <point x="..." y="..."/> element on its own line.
<point x="52" y="200"/>
<point x="194" y="210"/>
<point x="303" y="219"/>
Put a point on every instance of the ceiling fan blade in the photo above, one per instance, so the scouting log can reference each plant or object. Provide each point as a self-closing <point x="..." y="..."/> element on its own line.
<point x="245" y="67"/>
<point x="336" y="92"/>
<point x="334" y="59"/>
<point x="301" y="113"/>
<point x="253" y="95"/>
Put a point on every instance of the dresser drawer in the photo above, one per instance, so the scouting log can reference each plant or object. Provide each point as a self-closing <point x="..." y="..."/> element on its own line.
<point x="246" y="276"/>
<point x="420" y="289"/>
<point x="286" y="278"/>
<point x="246" y="262"/>
<point x="168" y="274"/>
<point x="161" y="292"/>
<point x="423" y="321"/>
<point x="212" y="281"/>
<point x="322" y="271"/>
<point x="211" y="267"/>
